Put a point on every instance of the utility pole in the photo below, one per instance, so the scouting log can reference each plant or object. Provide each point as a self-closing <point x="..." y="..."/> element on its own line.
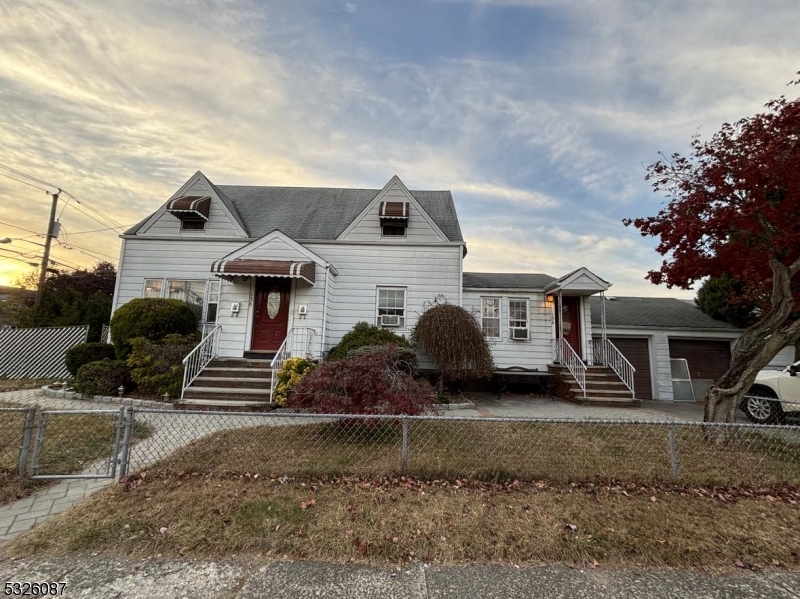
<point x="46" y="258"/>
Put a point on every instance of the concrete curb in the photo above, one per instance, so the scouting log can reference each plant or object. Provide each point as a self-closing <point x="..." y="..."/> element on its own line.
<point x="108" y="399"/>
<point x="467" y="405"/>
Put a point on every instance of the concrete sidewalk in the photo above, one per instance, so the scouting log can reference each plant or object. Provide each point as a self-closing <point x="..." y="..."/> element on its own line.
<point x="245" y="579"/>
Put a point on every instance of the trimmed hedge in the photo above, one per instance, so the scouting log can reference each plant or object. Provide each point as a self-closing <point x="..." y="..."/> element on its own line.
<point x="363" y="335"/>
<point x="103" y="377"/>
<point x="157" y="366"/>
<point x="151" y="318"/>
<point x="87" y="352"/>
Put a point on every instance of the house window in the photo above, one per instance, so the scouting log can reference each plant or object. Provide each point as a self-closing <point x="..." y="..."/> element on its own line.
<point x="193" y="224"/>
<point x="191" y="292"/>
<point x="393" y="230"/>
<point x="153" y="287"/>
<point x="391" y="307"/>
<point x="490" y="317"/>
<point x="212" y="301"/>
<point x="518" y="318"/>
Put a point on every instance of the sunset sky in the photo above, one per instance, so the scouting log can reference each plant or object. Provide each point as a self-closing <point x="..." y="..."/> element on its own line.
<point x="539" y="115"/>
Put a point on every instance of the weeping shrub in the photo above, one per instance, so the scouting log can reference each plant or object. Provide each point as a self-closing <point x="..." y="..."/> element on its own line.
<point x="453" y="339"/>
<point x="379" y="381"/>
<point x="365" y="335"/>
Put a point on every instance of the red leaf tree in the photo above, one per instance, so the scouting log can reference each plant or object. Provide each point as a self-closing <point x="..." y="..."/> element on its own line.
<point x="734" y="209"/>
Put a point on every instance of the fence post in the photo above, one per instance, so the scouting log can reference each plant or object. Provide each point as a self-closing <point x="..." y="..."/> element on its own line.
<point x="37" y="445"/>
<point x="126" y="443"/>
<point x="673" y="450"/>
<point x="27" y="433"/>
<point x="118" y="428"/>
<point x="405" y="444"/>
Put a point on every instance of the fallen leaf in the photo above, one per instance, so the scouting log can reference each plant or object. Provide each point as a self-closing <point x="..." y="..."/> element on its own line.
<point x="307" y="504"/>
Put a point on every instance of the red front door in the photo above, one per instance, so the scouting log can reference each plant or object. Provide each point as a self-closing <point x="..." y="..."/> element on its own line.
<point x="570" y="317"/>
<point x="272" y="313"/>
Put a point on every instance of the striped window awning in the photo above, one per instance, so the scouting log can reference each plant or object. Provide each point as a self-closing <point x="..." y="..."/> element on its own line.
<point x="190" y="206"/>
<point x="265" y="268"/>
<point x="393" y="211"/>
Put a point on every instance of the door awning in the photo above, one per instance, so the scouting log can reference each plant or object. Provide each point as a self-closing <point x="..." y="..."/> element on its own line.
<point x="265" y="268"/>
<point x="191" y="206"/>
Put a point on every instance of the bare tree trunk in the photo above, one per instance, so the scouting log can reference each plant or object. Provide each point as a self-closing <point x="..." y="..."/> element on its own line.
<point x="796" y="351"/>
<point x="756" y="347"/>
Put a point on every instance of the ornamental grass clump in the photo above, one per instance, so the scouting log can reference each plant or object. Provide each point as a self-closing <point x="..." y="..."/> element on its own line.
<point x="378" y="381"/>
<point x="453" y="340"/>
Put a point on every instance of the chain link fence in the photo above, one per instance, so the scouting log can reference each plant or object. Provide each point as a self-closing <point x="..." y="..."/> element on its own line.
<point x="449" y="447"/>
<point x="112" y="443"/>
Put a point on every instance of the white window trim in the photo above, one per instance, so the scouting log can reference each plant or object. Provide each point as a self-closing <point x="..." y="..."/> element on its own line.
<point x="405" y="305"/>
<point x="144" y="285"/>
<point x="527" y="326"/>
<point x="203" y="230"/>
<point x="499" y="316"/>
<point x="403" y="236"/>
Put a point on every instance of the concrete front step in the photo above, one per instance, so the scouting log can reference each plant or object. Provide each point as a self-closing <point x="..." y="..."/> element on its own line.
<point x="240" y="363"/>
<point x="240" y="373"/>
<point x="233" y="382"/>
<point x="602" y="392"/>
<point x="607" y="402"/>
<point x="223" y="404"/>
<point x="232" y="393"/>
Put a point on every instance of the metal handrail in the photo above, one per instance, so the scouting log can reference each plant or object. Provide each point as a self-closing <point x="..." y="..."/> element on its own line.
<point x="565" y="355"/>
<point x="200" y="356"/>
<point x="610" y="356"/>
<point x="302" y="345"/>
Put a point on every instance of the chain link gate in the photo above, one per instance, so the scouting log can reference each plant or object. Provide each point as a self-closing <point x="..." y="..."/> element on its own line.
<point x="54" y="455"/>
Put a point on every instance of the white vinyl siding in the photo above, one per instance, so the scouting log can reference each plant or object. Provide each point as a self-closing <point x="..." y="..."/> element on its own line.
<point x="369" y="227"/>
<point x="533" y="354"/>
<point x="490" y="317"/>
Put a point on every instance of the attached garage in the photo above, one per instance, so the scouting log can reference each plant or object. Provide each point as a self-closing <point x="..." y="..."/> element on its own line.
<point x="637" y="352"/>
<point x="708" y="359"/>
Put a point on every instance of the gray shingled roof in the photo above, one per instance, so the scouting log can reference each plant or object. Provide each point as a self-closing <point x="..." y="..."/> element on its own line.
<point x="655" y="313"/>
<point x="506" y="280"/>
<point x="319" y="213"/>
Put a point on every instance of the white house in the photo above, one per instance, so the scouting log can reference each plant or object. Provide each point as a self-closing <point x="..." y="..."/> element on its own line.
<point x="280" y="271"/>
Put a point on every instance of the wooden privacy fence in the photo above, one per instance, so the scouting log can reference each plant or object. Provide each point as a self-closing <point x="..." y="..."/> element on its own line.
<point x="38" y="353"/>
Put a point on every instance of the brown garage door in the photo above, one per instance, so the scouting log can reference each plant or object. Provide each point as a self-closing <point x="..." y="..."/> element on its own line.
<point x="707" y="359"/>
<point x="637" y="353"/>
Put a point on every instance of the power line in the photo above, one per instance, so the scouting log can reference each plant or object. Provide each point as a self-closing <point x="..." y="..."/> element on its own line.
<point x="25" y="183"/>
<point x="95" y="210"/>
<point x="69" y="246"/>
<point x="27" y="176"/>
<point x="105" y="229"/>
<point x="20" y="228"/>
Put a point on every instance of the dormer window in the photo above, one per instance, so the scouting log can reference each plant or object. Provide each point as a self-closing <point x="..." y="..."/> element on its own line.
<point x="191" y="210"/>
<point x="394" y="218"/>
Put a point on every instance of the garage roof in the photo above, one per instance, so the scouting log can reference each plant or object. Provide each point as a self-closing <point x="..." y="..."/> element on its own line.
<point x="655" y="313"/>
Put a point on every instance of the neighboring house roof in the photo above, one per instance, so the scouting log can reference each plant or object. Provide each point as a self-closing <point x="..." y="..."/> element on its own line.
<point x="655" y="313"/>
<point x="318" y="213"/>
<point x="506" y="280"/>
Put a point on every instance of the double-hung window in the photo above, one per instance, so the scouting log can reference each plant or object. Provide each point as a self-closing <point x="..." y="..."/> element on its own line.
<point x="490" y="317"/>
<point x="518" y="319"/>
<point x="391" y="311"/>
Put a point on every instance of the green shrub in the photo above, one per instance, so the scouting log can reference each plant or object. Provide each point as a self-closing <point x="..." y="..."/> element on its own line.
<point x="152" y="318"/>
<point x="156" y="366"/>
<point x="362" y="335"/>
<point x="290" y="375"/>
<point x="87" y="352"/>
<point x="103" y="377"/>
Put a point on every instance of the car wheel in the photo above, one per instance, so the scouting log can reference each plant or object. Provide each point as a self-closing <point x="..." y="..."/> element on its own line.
<point x="763" y="408"/>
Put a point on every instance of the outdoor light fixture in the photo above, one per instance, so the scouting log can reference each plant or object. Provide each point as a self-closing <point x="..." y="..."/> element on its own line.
<point x="121" y="390"/>
<point x="551" y="299"/>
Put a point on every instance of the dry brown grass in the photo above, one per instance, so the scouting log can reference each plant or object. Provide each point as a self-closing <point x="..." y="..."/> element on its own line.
<point x="71" y="443"/>
<point x="20" y="384"/>
<point x="495" y="451"/>
<point x="210" y="517"/>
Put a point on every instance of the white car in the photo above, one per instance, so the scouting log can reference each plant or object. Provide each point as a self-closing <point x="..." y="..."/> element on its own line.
<point x="774" y="395"/>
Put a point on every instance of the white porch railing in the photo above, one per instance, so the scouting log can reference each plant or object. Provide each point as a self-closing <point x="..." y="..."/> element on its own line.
<point x="566" y="356"/>
<point x="606" y="353"/>
<point x="200" y="356"/>
<point x="300" y="342"/>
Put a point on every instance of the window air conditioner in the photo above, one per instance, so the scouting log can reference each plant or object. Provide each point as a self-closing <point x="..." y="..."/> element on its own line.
<point x="390" y="320"/>
<point x="520" y="334"/>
